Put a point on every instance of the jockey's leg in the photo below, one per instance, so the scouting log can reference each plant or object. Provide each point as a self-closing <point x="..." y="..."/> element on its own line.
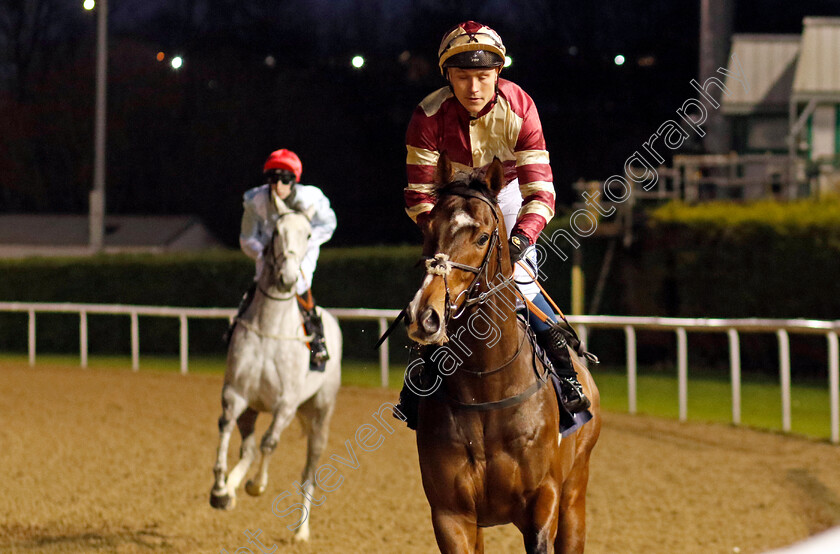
<point x="549" y="338"/>
<point x="313" y="325"/>
<point x="409" y="404"/>
<point x="552" y="339"/>
<point x="243" y="305"/>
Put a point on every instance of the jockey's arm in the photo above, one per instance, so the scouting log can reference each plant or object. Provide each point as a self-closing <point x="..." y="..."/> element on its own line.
<point x="249" y="234"/>
<point x="421" y="162"/>
<point x="534" y="174"/>
<point x="323" y="222"/>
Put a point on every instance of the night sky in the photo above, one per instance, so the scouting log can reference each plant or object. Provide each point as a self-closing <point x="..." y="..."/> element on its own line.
<point x="265" y="75"/>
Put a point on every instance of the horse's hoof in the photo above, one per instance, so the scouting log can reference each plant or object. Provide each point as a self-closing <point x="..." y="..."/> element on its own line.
<point x="222" y="501"/>
<point x="253" y="489"/>
<point x="302" y="535"/>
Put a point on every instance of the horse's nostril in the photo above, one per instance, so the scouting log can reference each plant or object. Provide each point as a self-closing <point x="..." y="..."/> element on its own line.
<point x="430" y="321"/>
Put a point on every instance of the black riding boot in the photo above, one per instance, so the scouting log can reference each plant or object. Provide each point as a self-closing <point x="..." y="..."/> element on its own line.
<point x="409" y="404"/>
<point x="243" y="305"/>
<point x="553" y="341"/>
<point x="313" y="325"/>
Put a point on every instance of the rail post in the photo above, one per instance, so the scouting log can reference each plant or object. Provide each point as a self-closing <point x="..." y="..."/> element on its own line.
<point x="135" y="342"/>
<point x="630" y="335"/>
<point x="784" y="376"/>
<point x="83" y="339"/>
<point x="31" y="337"/>
<point x="682" y="371"/>
<point x="834" y="385"/>
<point x="735" y="374"/>
<point x="184" y="343"/>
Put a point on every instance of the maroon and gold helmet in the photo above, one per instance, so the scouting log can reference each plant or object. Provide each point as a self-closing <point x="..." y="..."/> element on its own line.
<point x="471" y="45"/>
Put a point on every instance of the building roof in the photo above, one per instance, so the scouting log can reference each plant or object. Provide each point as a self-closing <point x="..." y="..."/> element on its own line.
<point x="818" y="71"/>
<point x="767" y="63"/>
<point x="29" y="235"/>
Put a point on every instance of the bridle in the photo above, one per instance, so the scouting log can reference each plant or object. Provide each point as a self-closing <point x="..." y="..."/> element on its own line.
<point x="442" y="266"/>
<point x="275" y="260"/>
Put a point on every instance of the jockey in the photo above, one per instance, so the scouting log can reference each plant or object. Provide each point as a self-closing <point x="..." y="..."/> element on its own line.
<point x="475" y="119"/>
<point x="282" y="172"/>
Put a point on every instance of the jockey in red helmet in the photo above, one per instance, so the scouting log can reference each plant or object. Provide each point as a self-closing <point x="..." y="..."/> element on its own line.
<point x="475" y="119"/>
<point x="282" y="171"/>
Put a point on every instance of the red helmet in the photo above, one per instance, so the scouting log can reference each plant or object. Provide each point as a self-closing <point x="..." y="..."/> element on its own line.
<point x="284" y="159"/>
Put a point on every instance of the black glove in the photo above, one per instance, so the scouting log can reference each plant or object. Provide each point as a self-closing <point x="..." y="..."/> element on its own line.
<point x="518" y="244"/>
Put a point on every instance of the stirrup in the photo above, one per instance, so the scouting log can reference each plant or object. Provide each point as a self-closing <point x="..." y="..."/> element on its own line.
<point x="573" y="397"/>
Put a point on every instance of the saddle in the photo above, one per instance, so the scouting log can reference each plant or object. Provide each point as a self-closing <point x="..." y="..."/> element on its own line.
<point x="569" y="422"/>
<point x="425" y="375"/>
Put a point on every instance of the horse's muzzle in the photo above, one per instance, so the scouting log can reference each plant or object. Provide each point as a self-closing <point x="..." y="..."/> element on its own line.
<point x="428" y="327"/>
<point x="430" y="321"/>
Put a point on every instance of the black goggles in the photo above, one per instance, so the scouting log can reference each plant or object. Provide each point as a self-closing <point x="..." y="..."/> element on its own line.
<point x="280" y="176"/>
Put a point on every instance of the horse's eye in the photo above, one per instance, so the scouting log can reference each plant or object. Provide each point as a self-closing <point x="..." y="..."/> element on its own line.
<point x="482" y="240"/>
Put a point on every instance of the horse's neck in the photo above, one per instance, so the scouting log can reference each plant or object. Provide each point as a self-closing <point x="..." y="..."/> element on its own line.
<point x="490" y="332"/>
<point x="275" y="311"/>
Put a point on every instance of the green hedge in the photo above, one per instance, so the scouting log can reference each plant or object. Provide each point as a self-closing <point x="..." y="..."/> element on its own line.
<point x="370" y="277"/>
<point x="764" y="259"/>
<point x="713" y="260"/>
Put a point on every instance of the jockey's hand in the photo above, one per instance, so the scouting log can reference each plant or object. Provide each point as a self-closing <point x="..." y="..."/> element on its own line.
<point x="518" y="244"/>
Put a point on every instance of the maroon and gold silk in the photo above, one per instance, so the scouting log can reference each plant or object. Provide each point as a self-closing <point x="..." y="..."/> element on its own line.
<point x="508" y="128"/>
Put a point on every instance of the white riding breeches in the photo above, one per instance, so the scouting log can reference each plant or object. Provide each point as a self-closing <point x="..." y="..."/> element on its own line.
<point x="307" y="269"/>
<point x="510" y="201"/>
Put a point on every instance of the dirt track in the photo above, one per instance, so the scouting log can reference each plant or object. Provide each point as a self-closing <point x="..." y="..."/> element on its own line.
<point x="115" y="461"/>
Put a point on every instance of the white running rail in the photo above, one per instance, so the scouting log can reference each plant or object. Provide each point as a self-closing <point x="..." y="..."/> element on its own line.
<point x="782" y="328"/>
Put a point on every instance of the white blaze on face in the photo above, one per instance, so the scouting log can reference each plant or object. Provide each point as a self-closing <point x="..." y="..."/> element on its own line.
<point x="412" y="307"/>
<point x="461" y="219"/>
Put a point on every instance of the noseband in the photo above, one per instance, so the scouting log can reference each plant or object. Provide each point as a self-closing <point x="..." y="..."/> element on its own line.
<point x="442" y="266"/>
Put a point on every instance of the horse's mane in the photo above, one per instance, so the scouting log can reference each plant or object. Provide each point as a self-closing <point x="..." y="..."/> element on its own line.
<point x="465" y="181"/>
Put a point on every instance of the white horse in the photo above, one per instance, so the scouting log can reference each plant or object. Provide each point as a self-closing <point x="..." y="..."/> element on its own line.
<point x="268" y="371"/>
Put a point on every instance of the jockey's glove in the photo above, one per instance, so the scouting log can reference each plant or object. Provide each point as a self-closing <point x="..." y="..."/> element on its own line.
<point x="518" y="244"/>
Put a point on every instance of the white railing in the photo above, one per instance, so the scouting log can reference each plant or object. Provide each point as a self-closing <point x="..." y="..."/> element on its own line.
<point x="183" y="314"/>
<point x="782" y="328"/>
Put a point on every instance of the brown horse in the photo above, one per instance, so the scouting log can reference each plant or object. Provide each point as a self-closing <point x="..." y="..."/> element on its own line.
<point x="487" y="436"/>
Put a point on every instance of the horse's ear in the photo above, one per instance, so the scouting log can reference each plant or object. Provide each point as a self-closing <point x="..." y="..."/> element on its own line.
<point x="444" y="173"/>
<point x="309" y="213"/>
<point x="495" y="177"/>
<point x="279" y="205"/>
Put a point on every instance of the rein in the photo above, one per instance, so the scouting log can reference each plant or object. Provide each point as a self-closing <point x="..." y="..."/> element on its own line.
<point x="257" y="331"/>
<point x="277" y="298"/>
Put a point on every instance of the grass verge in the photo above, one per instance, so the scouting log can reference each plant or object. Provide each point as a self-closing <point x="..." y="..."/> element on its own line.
<point x="709" y="393"/>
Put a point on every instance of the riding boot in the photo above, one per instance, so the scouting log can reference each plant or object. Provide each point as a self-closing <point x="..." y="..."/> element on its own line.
<point x="313" y="325"/>
<point x="243" y="305"/>
<point x="553" y="341"/>
<point x="409" y="405"/>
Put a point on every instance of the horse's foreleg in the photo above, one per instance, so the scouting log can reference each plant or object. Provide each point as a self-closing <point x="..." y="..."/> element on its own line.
<point x="232" y="406"/>
<point x="540" y="531"/>
<point x="317" y="411"/>
<point x="479" y="541"/>
<point x="247" y="452"/>
<point x="282" y="417"/>
<point x="571" y="533"/>
<point x="455" y="533"/>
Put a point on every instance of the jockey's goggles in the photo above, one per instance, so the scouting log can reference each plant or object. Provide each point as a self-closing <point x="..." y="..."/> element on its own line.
<point x="273" y="176"/>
